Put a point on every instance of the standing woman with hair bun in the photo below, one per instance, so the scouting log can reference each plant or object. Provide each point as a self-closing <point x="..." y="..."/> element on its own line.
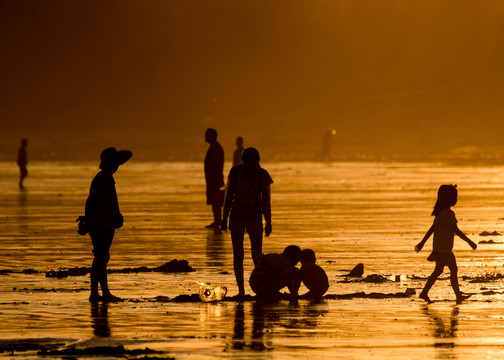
<point x="247" y="201"/>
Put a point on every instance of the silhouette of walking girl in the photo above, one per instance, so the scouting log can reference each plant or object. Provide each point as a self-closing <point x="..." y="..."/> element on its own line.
<point x="444" y="228"/>
<point x="248" y="200"/>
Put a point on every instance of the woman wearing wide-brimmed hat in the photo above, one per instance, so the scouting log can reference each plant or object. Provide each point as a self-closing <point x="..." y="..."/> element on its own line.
<point x="103" y="217"/>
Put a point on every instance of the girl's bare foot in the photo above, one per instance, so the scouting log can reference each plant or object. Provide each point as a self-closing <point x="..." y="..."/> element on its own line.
<point x="425" y="297"/>
<point x="462" y="297"/>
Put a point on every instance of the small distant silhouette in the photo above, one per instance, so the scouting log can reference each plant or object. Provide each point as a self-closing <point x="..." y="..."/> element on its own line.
<point x="22" y="161"/>
<point x="214" y="177"/>
<point x="444" y="228"/>
<point x="248" y="200"/>
<point x="325" y="154"/>
<point x="237" y="154"/>
<point x="103" y="217"/>
<point x="273" y="272"/>
<point x="312" y="275"/>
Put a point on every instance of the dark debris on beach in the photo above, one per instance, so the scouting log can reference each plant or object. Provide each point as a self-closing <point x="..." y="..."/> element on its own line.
<point x="172" y="266"/>
<point x="100" y="350"/>
<point x="488" y="233"/>
<point x="490" y="277"/>
<point x="22" y="345"/>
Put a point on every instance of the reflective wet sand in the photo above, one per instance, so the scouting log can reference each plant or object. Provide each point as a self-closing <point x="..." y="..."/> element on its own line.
<point x="348" y="213"/>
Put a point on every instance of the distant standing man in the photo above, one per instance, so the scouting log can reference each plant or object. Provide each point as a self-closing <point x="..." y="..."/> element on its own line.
<point x="214" y="176"/>
<point x="22" y="160"/>
<point x="237" y="155"/>
<point x="103" y="217"/>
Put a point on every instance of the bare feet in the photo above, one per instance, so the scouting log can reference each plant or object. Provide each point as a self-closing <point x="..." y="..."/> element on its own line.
<point x="462" y="297"/>
<point x="425" y="297"/>
<point x="111" y="298"/>
<point x="94" y="298"/>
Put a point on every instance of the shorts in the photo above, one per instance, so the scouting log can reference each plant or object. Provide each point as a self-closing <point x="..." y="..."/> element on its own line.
<point x="441" y="258"/>
<point x="265" y="283"/>
<point x="102" y="240"/>
<point x="250" y="226"/>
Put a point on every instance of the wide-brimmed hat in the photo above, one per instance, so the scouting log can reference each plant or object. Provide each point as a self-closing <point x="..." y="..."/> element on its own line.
<point x="110" y="156"/>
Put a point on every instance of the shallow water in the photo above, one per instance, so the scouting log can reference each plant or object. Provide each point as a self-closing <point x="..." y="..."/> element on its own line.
<point x="347" y="213"/>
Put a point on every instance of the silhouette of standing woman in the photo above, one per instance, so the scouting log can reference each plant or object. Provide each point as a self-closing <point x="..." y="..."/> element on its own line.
<point x="214" y="176"/>
<point x="22" y="160"/>
<point x="103" y="217"/>
<point x="248" y="200"/>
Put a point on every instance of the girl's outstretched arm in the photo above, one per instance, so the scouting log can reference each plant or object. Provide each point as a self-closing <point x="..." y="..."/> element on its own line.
<point x="420" y="245"/>
<point x="461" y="235"/>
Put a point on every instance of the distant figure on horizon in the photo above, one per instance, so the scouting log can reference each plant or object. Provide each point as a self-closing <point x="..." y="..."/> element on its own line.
<point x="237" y="154"/>
<point x="22" y="160"/>
<point x="214" y="177"/>
<point x="312" y="276"/>
<point x="103" y="217"/>
<point x="273" y="272"/>
<point x="444" y="228"/>
<point x="325" y="154"/>
<point x="248" y="200"/>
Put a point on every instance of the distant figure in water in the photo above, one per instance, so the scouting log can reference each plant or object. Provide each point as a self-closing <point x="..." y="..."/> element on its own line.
<point x="273" y="272"/>
<point x="22" y="160"/>
<point x="103" y="217"/>
<point x="214" y="177"/>
<point x="248" y="200"/>
<point x="312" y="276"/>
<point x="237" y="154"/>
<point x="444" y="228"/>
<point x="325" y="154"/>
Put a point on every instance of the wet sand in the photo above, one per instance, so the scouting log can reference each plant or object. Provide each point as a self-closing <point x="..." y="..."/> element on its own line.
<point x="348" y="213"/>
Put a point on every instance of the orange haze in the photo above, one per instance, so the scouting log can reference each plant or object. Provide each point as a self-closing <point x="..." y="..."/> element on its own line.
<point x="396" y="79"/>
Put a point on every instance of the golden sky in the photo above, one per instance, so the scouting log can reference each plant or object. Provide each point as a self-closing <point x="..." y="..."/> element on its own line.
<point x="391" y="76"/>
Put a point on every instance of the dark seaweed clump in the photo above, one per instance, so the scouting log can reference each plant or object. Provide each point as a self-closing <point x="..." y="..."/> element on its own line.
<point x="100" y="350"/>
<point x="172" y="266"/>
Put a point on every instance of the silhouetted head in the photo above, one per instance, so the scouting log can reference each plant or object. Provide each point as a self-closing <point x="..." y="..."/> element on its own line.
<point x="447" y="197"/>
<point x="292" y="252"/>
<point x="211" y="135"/>
<point x="24" y="142"/>
<point x="111" y="158"/>
<point x="250" y="156"/>
<point x="307" y="256"/>
<point x="239" y="141"/>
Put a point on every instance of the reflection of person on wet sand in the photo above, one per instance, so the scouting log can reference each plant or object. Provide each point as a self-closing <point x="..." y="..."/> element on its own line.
<point x="22" y="160"/>
<point x="237" y="154"/>
<point x="444" y="228"/>
<point x="214" y="249"/>
<point x="103" y="217"/>
<point x="247" y="199"/>
<point x="313" y="276"/>
<point x="273" y="272"/>
<point x="99" y="319"/>
<point x="440" y="329"/>
<point x="214" y="177"/>
<point x="257" y="341"/>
